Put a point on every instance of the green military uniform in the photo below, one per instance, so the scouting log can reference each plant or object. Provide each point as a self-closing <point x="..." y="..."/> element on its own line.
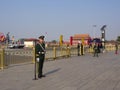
<point x="40" y="50"/>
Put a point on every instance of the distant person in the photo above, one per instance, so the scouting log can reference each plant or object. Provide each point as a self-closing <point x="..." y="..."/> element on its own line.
<point x="101" y="48"/>
<point x="90" y="45"/>
<point x="68" y="46"/>
<point x="82" y="49"/>
<point x="98" y="47"/>
<point x="78" y="49"/>
<point x="68" y="50"/>
<point x="40" y="50"/>
<point x="18" y="42"/>
<point x="95" y="48"/>
<point x="116" y="48"/>
<point x="8" y="38"/>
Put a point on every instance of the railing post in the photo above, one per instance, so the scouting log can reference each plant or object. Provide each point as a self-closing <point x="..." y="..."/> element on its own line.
<point x="83" y="49"/>
<point x="33" y="60"/>
<point x="54" y="52"/>
<point x="61" y="51"/>
<point x="2" y="59"/>
<point x="80" y="51"/>
<point x="68" y="52"/>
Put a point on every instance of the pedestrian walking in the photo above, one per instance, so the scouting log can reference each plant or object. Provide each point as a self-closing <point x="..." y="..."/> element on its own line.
<point x="96" y="49"/>
<point x="40" y="50"/>
<point x="101" y="48"/>
<point x="116" y="48"/>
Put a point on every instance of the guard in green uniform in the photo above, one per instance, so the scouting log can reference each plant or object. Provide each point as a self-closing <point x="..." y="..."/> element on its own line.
<point x="40" y="50"/>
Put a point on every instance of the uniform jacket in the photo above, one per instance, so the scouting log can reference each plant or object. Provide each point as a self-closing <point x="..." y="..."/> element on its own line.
<point x="39" y="50"/>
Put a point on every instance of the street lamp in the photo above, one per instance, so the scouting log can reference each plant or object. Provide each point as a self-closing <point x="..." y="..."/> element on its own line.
<point x="94" y="33"/>
<point x="103" y="35"/>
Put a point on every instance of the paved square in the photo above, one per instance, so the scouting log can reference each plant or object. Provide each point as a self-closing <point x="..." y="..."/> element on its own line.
<point x="74" y="73"/>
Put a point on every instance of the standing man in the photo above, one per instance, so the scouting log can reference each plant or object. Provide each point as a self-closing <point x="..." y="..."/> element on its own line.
<point x="116" y="48"/>
<point x="8" y="38"/>
<point x="78" y="48"/>
<point x="40" y="50"/>
<point x="95" y="48"/>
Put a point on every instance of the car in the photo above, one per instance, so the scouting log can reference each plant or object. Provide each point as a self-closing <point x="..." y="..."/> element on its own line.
<point x="18" y="46"/>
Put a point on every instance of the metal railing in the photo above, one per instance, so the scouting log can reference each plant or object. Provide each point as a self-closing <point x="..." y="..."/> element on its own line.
<point x="16" y="56"/>
<point x="57" y="52"/>
<point x="1" y="58"/>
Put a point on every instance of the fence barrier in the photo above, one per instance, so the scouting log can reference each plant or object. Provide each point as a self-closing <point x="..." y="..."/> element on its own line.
<point x="16" y="56"/>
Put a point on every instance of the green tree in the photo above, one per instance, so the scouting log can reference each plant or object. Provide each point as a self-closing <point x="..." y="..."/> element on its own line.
<point x="54" y="41"/>
<point x="118" y="39"/>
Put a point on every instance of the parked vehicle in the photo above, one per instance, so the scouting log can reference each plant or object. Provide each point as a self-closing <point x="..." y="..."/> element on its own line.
<point x="13" y="46"/>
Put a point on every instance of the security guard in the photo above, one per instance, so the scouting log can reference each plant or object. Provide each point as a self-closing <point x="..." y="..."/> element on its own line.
<point x="40" y="50"/>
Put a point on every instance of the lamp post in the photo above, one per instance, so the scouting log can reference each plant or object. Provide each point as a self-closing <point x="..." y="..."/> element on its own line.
<point x="103" y="35"/>
<point x="94" y="32"/>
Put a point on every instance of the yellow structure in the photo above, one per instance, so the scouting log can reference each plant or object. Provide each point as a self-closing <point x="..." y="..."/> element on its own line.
<point x="2" y="59"/>
<point x="61" y="40"/>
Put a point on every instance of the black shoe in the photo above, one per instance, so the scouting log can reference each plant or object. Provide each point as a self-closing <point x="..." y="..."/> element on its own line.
<point x="43" y="76"/>
<point x="39" y="76"/>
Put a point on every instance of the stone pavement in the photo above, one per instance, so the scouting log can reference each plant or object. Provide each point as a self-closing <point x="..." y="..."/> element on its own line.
<point x="75" y="73"/>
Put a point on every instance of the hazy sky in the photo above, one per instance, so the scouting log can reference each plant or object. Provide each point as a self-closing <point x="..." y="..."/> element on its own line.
<point x="31" y="18"/>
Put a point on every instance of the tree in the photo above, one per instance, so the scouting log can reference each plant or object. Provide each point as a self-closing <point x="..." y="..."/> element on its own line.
<point x="54" y="41"/>
<point x="118" y="39"/>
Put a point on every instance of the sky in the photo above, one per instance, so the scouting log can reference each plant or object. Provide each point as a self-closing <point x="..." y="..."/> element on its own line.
<point x="52" y="18"/>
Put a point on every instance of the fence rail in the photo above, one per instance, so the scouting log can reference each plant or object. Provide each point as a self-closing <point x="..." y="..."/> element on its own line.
<point x="17" y="56"/>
